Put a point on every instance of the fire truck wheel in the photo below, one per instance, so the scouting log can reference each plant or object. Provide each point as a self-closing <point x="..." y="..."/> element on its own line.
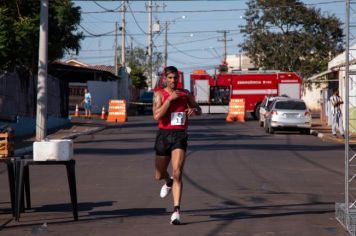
<point x="256" y="112"/>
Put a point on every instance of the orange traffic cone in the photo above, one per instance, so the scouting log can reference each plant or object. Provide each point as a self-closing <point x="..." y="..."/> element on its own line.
<point x="76" y="114"/>
<point x="230" y="118"/>
<point x="103" y="113"/>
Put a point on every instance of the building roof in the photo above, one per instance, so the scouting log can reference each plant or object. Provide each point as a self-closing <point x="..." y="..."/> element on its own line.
<point x="75" y="71"/>
<point x="73" y="62"/>
<point x="110" y="68"/>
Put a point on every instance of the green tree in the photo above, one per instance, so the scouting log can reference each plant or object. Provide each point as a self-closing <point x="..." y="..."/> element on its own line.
<point x="137" y="76"/>
<point x="286" y="35"/>
<point x="138" y="62"/>
<point x="19" y="32"/>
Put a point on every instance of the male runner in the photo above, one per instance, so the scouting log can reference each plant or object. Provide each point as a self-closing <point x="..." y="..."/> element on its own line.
<point x="172" y="107"/>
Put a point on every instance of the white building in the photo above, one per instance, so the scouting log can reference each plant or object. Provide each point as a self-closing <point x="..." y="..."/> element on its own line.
<point x="334" y="78"/>
<point x="239" y="62"/>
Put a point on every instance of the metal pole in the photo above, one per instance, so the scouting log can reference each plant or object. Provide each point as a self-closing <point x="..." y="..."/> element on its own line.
<point x="166" y="45"/>
<point x="347" y="67"/>
<point x="225" y="43"/>
<point x="41" y="115"/>
<point x="225" y="47"/>
<point x="240" y="62"/>
<point x="116" y="44"/>
<point x="150" y="44"/>
<point x="123" y="47"/>
<point x="131" y="48"/>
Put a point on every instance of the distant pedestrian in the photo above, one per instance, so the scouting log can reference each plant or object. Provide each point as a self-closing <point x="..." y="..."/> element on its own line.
<point x="87" y="101"/>
<point x="172" y="107"/>
<point x="337" y="122"/>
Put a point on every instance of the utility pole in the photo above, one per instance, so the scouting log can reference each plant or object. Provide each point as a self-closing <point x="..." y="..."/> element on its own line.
<point x="116" y="44"/>
<point x="150" y="43"/>
<point x="225" y="42"/>
<point x="123" y="47"/>
<point x="41" y="115"/>
<point x="131" y="48"/>
<point x="166" y="45"/>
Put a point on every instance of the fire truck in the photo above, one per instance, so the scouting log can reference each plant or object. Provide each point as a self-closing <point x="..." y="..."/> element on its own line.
<point x="213" y="93"/>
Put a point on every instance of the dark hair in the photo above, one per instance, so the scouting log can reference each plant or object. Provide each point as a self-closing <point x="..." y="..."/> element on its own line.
<point x="170" y="69"/>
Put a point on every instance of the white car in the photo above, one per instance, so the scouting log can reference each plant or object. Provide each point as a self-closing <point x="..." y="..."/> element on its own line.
<point x="264" y="107"/>
<point x="288" y="114"/>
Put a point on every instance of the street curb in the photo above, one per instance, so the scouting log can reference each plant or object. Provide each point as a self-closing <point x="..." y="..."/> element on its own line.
<point x="28" y="149"/>
<point x="316" y="133"/>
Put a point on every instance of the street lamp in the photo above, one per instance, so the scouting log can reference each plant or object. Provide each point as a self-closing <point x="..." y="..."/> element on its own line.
<point x="166" y="38"/>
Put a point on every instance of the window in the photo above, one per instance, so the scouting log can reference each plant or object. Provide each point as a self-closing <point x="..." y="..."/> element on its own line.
<point x="291" y="105"/>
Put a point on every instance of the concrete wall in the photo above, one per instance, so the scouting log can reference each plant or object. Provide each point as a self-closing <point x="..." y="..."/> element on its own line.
<point x="18" y="98"/>
<point x="312" y="97"/>
<point x="16" y="95"/>
<point x="102" y="92"/>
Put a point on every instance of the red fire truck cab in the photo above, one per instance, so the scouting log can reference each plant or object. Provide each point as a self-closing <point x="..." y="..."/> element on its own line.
<point x="213" y="93"/>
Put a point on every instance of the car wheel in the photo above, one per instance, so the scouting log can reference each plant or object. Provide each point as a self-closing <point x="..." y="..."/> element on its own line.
<point x="305" y="131"/>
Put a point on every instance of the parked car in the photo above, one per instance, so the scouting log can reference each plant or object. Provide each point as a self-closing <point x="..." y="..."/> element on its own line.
<point x="264" y="107"/>
<point x="288" y="114"/>
<point x="145" y="102"/>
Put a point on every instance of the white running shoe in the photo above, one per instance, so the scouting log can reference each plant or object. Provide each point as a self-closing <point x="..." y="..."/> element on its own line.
<point x="175" y="218"/>
<point x="165" y="190"/>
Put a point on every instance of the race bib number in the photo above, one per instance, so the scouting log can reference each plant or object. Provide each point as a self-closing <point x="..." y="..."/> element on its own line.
<point x="178" y="118"/>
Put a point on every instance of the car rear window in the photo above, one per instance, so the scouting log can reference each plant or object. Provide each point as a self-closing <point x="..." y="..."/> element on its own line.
<point x="290" y="105"/>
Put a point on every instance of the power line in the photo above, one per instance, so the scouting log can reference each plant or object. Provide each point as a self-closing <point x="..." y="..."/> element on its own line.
<point x="171" y="11"/>
<point x="170" y="33"/>
<point x="212" y="10"/>
<point x="106" y="9"/>
<point x="184" y="53"/>
<point x="138" y="25"/>
<point x="95" y="35"/>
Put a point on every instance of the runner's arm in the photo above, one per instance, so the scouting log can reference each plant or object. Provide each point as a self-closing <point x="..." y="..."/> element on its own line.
<point x="193" y="107"/>
<point x="159" y="108"/>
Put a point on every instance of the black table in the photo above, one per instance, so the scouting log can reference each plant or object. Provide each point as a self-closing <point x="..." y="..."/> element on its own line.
<point x="11" y="176"/>
<point x="22" y="178"/>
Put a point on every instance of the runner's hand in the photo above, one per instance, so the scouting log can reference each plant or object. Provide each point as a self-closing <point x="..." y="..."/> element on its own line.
<point x="174" y="95"/>
<point x="190" y="111"/>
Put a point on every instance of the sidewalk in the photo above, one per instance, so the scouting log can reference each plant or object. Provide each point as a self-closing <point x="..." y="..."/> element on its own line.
<point x="323" y="131"/>
<point x="78" y="126"/>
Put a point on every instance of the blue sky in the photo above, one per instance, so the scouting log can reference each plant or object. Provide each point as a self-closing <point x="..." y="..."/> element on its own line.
<point x="194" y="42"/>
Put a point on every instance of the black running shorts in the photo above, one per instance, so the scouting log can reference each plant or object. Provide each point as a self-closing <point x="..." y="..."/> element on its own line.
<point x="170" y="139"/>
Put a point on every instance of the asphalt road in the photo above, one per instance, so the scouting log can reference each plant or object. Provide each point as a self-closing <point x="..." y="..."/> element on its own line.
<point x="238" y="180"/>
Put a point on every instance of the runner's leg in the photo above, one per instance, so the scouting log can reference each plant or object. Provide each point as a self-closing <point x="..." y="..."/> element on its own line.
<point x="162" y="163"/>
<point x="178" y="158"/>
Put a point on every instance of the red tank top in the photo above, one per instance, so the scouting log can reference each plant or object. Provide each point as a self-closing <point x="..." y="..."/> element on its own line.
<point x="175" y="117"/>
